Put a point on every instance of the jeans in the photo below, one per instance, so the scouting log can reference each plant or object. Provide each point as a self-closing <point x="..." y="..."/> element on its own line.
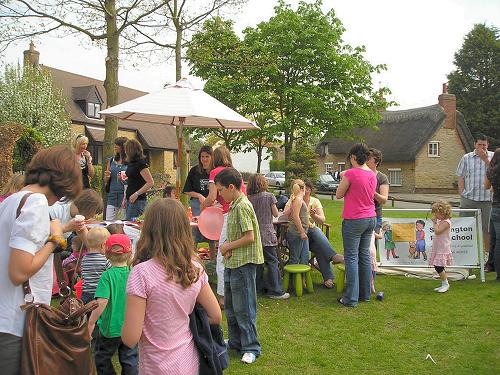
<point x="356" y="235"/>
<point x="298" y="248"/>
<point x="240" y="307"/>
<point x="10" y="353"/>
<point x="135" y="209"/>
<point x="323" y="250"/>
<point x="104" y="351"/>
<point x="273" y="284"/>
<point x="495" y="246"/>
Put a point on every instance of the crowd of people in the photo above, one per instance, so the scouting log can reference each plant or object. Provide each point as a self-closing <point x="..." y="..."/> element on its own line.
<point x="145" y="299"/>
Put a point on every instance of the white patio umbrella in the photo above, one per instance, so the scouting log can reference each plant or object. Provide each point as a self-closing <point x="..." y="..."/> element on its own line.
<point x="180" y="105"/>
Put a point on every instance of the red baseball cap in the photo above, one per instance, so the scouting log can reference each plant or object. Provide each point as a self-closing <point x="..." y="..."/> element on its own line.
<point x="121" y="240"/>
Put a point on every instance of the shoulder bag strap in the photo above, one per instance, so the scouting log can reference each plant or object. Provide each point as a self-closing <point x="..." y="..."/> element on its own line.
<point x="78" y="262"/>
<point x="26" y="284"/>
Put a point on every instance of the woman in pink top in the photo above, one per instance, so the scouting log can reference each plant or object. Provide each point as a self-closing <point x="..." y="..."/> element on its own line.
<point x="222" y="160"/>
<point x="357" y="187"/>
<point x="162" y="290"/>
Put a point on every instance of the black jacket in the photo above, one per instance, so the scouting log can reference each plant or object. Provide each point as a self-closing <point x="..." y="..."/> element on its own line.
<point x="209" y="340"/>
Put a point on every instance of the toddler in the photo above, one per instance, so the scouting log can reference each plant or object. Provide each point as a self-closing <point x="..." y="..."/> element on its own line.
<point x="94" y="263"/>
<point x="441" y="242"/>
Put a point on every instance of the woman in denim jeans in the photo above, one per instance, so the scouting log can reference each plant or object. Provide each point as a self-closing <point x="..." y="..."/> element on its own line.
<point x="296" y="234"/>
<point x="357" y="187"/>
<point x="492" y="181"/>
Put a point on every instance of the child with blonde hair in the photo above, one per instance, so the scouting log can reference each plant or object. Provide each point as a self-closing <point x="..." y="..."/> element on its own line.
<point x="94" y="263"/>
<point x="162" y="289"/>
<point x="15" y="183"/>
<point x="441" y="242"/>
<point x="299" y="224"/>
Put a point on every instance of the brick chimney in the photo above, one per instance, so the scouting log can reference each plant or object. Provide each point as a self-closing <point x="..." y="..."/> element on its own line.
<point x="31" y="56"/>
<point x="449" y="104"/>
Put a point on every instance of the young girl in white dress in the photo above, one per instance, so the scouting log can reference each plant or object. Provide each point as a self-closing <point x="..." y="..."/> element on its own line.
<point x="441" y="242"/>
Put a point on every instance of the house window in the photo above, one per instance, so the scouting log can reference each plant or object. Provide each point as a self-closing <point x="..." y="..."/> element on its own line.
<point x="328" y="167"/>
<point x="93" y="110"/>
<point x="341" y="166"/>
<point x="325" y="149"/>
<point x="433" y="150"/>
<point x="395" y="178"/>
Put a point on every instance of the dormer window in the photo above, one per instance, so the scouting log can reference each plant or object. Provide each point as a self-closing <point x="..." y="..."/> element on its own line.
<point x="93" y="110"/>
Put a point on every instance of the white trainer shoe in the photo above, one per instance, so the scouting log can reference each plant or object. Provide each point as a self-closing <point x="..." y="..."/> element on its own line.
<point x="248" y="358"/>
<point x="444" y="289"/>
<point x="283" y="296"/>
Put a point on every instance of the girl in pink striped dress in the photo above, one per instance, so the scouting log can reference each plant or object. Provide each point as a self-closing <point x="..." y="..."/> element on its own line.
<point x="441" y="242"/>
<point x="162" y="290"/>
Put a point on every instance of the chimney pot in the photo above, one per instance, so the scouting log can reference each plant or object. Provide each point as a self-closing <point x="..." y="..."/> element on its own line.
<point x="445" y="88"/>
<point x="31" y="56"/>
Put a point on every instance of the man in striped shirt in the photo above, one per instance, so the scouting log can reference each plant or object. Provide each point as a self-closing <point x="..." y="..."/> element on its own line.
<point x="471" y="172"/>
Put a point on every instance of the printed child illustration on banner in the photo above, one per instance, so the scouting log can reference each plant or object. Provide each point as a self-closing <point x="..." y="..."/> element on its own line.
<point x="409" y="241"/>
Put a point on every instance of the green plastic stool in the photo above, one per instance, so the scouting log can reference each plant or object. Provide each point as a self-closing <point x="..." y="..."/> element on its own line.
<point x="340" y="277"/>
<point x="298" y="270"/>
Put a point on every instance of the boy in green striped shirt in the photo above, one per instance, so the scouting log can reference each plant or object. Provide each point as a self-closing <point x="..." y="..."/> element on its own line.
<point x="242" y="253"/>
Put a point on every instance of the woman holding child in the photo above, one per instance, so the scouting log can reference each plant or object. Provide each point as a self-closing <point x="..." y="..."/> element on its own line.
<point x="27" y="240"/>
<point x="357" y="187"/>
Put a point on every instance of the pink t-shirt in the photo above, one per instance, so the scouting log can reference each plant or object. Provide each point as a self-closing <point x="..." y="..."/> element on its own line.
<point x="358" y="200"/>
<point x="166" y="345"/>
<point x="211" y="179"/>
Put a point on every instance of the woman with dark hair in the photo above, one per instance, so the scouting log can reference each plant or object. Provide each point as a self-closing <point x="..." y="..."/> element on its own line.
<point x="139" y="179"/>
<point x="27" y="239"/>
<point x="79" y="145"/>
<point x="357" y="187"/>
<point x="196" y="187"/>
<point x="115" y="166"/>
<point x="492" y="181"/>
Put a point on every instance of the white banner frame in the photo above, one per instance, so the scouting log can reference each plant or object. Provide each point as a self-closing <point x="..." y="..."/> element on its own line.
<point x="479" y="227"/>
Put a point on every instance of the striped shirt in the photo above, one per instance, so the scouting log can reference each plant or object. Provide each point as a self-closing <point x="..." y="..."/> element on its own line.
<point x="240" y="219"/>
<point x="472" y="169"/>
<point x="166" y="345"/>
<point x="93" y="265"/>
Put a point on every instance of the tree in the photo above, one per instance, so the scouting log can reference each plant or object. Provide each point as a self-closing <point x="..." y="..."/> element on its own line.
<point x="102" y="21"/>
<point x="217" y="55"/>
<point x="315" y="83"/>
<point x="302" y="163"/>
<point x="476" y="81"/>
<point x="28" y="97"/>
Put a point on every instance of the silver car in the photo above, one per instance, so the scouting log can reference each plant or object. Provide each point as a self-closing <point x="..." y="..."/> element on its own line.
<point x="275" y="178"/>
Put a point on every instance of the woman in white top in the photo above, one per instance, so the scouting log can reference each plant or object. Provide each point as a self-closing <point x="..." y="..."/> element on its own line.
<point x="27" y="241"/>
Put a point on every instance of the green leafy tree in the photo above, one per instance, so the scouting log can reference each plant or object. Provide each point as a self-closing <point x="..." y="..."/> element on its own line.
<point x="28" y="97"/>
<point x="302" y="163"/>
<point x="476" y="81"/>
<point x="315" y="83"/>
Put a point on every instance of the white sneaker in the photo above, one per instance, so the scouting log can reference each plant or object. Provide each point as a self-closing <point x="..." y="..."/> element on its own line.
<point x="444" y="288"/>
<point x="248" y="358"/>
<point x="439" y="287"/>
<point x="283" y="296"/>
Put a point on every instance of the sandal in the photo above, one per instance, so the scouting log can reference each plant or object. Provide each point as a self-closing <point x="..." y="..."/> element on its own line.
<point x="328" y="284"/>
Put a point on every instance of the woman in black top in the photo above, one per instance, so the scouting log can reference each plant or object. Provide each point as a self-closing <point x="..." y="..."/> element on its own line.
<point x="492" y="181"/>
<point x="139" y="180"/>
<point x="79" y="146"/>
<point x="196" y="186"/>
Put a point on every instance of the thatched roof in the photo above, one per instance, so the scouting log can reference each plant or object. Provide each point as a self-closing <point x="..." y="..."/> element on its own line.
<point x="402" y="134"/>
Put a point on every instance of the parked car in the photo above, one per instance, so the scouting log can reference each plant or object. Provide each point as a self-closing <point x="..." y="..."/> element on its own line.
<point x="275" y="178"/>
<point x="326" y="182"/>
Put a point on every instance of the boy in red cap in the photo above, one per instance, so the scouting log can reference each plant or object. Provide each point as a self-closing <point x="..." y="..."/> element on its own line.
<point x="111" y="296"/>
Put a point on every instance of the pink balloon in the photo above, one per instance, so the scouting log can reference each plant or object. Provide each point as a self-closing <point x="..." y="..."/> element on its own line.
<point x="210" y="223"/>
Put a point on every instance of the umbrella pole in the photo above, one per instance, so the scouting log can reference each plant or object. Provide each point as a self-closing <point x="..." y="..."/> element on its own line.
<point x="179" y="156"/>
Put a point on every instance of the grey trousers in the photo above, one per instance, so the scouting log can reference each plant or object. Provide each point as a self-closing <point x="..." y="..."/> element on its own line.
<point x="10" y="354"/>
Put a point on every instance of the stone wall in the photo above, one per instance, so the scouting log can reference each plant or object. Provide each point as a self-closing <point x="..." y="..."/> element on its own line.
<point x="437" y="174"/>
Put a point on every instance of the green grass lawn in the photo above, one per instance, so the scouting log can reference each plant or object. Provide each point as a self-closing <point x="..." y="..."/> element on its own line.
<point x="315" y="335"/>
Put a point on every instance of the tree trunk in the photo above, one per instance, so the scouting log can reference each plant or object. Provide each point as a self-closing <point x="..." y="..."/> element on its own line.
<point x="110" y="85"/>
<point x="184" y="162"/>
<point x="259" y="151"/>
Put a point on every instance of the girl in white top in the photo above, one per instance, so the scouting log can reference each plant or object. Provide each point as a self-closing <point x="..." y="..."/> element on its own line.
<point x="27" y="241"/>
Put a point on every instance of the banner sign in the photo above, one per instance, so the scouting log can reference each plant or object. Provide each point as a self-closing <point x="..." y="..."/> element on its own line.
<point x="408" y="242"/>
